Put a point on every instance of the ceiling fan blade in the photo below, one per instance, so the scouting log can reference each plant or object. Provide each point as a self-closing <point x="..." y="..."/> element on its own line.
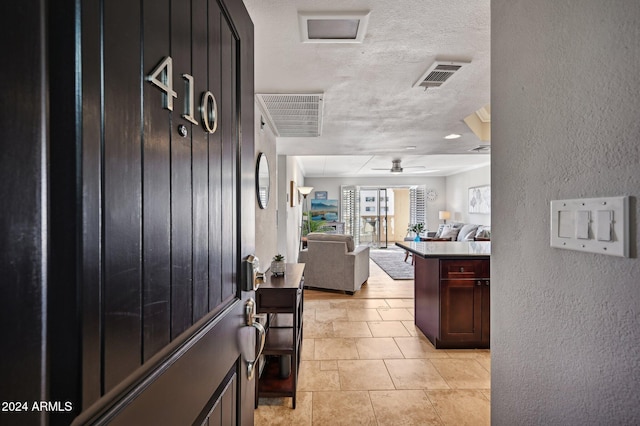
<point x="382" y="169"/>
<point x="414" y="167"/>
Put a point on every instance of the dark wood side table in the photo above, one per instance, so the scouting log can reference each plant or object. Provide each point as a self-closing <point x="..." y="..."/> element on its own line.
<point x="281" y="299"/>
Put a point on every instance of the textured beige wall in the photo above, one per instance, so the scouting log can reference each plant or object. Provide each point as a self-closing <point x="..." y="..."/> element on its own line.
<point x="565" y="333"/>
<point x="266" y="231"/>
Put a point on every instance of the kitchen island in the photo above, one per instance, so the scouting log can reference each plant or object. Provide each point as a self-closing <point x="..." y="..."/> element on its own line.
<point x="452" y="292"/>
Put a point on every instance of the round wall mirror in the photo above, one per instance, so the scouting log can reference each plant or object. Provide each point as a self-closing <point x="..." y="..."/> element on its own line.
<point x="262" y="180"/>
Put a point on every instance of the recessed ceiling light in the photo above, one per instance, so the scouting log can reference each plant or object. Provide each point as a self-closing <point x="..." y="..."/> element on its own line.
<point x="409" y="147"/>
<point x="453" y="136"/>
<point x="333" y="27"/>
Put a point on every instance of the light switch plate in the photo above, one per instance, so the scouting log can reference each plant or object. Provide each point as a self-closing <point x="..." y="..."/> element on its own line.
<point x="595" y="225"/>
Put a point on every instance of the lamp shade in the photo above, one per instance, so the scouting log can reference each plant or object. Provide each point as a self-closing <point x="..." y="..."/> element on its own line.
<point x="305" y="190"/>
<point x="444" y="214"/>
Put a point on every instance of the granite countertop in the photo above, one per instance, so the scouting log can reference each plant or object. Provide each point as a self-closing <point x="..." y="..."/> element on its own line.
<point x="447" y="248"/>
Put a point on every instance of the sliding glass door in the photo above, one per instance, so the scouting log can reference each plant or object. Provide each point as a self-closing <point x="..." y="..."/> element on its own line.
<point x="369" y="213"/>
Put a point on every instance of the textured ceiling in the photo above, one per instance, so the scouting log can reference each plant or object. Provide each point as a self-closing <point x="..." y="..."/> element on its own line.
<point x="369" y="105"/>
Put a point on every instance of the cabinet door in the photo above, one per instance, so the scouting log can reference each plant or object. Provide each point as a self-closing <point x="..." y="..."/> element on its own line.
<point x="486" y="299"/>
<point x="461" y="310"/>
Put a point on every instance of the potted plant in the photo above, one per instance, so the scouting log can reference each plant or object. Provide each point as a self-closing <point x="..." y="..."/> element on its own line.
<point x="416" y="228"/>
<point x="278" y="265"/>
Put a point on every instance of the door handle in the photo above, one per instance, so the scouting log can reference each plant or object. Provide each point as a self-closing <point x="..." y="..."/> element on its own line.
<point x="250" y="321"/>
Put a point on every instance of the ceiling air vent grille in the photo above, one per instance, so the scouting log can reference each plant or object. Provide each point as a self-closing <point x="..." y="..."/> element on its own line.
<point x="438" y="74"/>
<point x="293" y="115"/>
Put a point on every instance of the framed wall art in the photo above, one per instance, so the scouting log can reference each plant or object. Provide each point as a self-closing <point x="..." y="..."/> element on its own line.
<point x="480" y="199"/>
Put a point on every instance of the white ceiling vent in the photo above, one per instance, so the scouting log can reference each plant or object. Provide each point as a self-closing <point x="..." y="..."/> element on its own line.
<point x="438" y="74"/>
<point x="349" y="27"/>
<point x="293" y="115"/>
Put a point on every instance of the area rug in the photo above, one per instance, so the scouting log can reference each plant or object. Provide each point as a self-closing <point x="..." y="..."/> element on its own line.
<point x="391" y="260"/>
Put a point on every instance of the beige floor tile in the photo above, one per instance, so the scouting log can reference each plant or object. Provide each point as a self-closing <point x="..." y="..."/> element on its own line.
<point x="329" y="365"/>
<point x="403" y="407"/>
<point x="277" y="411"/>
<point x="308" y="348"/>
<point x="314" y="329"/>
<point x="468" y="353"/>
<point x="335" y="348"/>
<point x="487" y="393"/>
<point x="344" y="408"/>
<point x="419" y="347"/>
<point x="316" y="304"/>
<point x="461" y="407"/>
<point x="364" y="375"/>
<point x="400" y="303"/>
<point x="312" y="378"/>
<point x="485" y="362"/>
<point x="415" y="374"/>
<point x="461" y="373"/>
<point x="378" y="348"/>
<point x="309" y="314"/>
<point x="387" y="329"/>
<point x="412" y="328"/>
<point x="412" y="311"/>
<point x="360" y="304"/>
<point x="330" y="315"/>
<point x="363" y="315"/>
<point x="395" y="314"/>
<point x="351" y="329"/>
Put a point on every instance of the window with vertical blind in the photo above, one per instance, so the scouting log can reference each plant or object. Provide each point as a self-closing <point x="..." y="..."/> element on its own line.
<point x="350" y="211"/>
<point x="418" y="205"/>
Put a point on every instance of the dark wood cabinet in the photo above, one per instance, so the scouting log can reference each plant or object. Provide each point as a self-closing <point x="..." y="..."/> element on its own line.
<point x="281" y="300"/>
<point x="452" y="301"/>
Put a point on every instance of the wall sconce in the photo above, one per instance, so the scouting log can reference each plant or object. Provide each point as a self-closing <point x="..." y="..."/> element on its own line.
<point x="444" y="215"/>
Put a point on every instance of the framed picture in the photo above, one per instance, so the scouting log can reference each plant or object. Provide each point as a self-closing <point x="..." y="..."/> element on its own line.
<point x="293" y="188"/>
<point x="324" y="210"/>
<point x="321" y="195"/>
<point x="480" y="199"/>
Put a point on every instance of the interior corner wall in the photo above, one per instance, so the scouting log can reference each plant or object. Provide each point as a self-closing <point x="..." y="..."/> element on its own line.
<point x="565" y="340"/>
<point x="458" y="195"/>
<point x="266" y="219"/>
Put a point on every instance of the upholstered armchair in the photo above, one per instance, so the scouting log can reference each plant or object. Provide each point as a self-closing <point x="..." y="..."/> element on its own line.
<point x="332" y="262"/>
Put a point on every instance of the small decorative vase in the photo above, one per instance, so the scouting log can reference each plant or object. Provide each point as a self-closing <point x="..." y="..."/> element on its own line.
<point x="277" y="268"/>
<point x="417" y="238"/>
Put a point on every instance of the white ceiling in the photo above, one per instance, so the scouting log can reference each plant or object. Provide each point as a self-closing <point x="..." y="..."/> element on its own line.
<point x="371" y="112"/>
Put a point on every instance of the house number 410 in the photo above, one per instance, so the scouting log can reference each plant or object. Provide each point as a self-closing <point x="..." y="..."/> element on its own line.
<point x="162" y="78"/>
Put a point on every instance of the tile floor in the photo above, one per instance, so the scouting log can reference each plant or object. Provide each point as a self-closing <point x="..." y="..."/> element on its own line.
<point x="365" y="363"/>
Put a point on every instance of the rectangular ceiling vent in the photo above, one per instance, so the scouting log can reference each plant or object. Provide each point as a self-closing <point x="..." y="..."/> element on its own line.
<point x="438" y="74"/>
<point x="293" y="115"/>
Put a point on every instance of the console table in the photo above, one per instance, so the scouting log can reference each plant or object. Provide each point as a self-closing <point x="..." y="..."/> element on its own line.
<point x="281" y="299"/>
<point x="452" y="292"/>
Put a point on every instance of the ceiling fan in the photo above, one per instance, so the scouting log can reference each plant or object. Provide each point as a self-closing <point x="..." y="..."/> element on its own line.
<point x="396" y="167"/>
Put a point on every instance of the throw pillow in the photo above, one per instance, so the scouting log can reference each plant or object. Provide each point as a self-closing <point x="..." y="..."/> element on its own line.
<point x="483" y="232"/>
<point x="451" y="231"/>
<point x="439" y="231"/>
<point x="467" y="233"/>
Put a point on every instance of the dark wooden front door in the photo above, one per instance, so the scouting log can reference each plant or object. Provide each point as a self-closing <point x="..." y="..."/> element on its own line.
<point x="164" y="123"/>
<point x="125" y="222"/>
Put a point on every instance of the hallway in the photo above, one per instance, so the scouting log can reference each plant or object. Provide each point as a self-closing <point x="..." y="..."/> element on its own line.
<point x="364" y="363"/>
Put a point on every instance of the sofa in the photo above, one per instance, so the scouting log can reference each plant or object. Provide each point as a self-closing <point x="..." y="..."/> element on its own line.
<point x="333" y="262"/>
<point x="460" y="232"/>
